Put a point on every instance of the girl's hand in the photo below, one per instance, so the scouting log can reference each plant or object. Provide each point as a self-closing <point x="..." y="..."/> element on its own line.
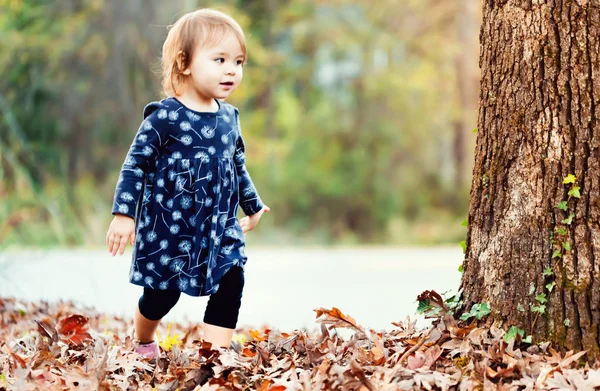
<point x="248" y="223"/>
<point x="120" y="231"/>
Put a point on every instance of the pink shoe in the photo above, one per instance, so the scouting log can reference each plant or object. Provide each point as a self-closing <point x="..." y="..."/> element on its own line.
<point x="149" y="351"/>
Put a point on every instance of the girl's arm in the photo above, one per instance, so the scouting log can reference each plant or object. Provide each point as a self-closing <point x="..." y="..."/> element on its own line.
<point x="250" y="201"/>
<point x="141" y="157"/>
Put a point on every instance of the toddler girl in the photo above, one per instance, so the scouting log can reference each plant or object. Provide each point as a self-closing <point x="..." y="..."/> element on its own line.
<point x="182" y="181"/>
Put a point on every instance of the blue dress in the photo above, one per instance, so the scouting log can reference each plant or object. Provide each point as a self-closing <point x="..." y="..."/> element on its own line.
<point x="182" y="181"/>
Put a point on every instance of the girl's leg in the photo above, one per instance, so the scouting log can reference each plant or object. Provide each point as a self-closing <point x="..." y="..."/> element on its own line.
<point x="219" y="337"/>
<point x="223" y="309"/>
<point x="144" y="327"/>
<point x="152" y="307"/>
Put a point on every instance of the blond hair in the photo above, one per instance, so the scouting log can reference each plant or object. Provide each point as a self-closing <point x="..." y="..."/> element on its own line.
<point x="204" y="27"/>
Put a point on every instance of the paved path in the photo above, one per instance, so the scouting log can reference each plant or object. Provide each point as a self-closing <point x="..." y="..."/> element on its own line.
<point x="283" y="285"/>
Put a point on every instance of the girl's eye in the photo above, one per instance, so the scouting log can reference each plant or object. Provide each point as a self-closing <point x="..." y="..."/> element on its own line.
<point x="220" y="60"/>
<point x="239" y="62"/>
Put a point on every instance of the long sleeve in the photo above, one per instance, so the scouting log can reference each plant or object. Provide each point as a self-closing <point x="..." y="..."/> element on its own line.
<point x="140" y="159"/>
<point x="250" y="201"/>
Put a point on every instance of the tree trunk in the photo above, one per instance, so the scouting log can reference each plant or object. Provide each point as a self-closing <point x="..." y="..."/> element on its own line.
<point x="538" y="123"/>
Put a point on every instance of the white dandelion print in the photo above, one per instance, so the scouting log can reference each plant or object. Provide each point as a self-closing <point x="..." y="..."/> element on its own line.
<point x="192" y="117"/>
<point x="147" y="125"/>
<point x="170" y="204"/>
<point x="208" y="177"/>
<point x="204" y="158"/>
<point x="164" y="244"/>
<point x="178" y="216"/>
<point x="151" y="236"/>
<point x="152" y="267"/>
<point x="123" y="209"/>
<point x="237" y="262"/>
<point x="164" y="259"/>
<point x="149" y="281"/>
<point x="173" y="116"/>
<point x="138" y="186"/>
<point x="160" y="182"/>
<point x="186" y="202"/>
<point x="147" y="151"/>
<point x="163" y="285"/>
<point x="176" y="155"/>
<point x="207" y="132"/>
<point x="185" y="126"/>
<point x="162" y="114"/>
<point x="212" y="150"/>
<point x="231" y="233"/>
<point x="137" y="276"/>
<point x="226" y="250"/>
<point x="130" y="161"/>
<point x="182" y="283"/>
<point x="186" y="139"/>
<point x="179" y="183"/>
<point x="185" y="246"/>
<point x="177" y="266"/>
<point x="208" y="202"/>
<point x="174" y="229"/>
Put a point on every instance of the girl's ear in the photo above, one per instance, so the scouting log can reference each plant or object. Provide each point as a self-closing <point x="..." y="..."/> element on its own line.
<point x="182" y="63"/>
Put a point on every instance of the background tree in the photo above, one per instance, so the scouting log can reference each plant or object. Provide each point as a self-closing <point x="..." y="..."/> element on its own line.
<point x="533" y="246"/>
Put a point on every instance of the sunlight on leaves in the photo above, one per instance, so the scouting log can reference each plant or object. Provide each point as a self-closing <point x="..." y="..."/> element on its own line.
<point x="569" y="179"/>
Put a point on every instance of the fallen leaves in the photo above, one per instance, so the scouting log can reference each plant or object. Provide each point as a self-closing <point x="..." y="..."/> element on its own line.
<point x="73" y="330"/>
<point x="59" y="347"/>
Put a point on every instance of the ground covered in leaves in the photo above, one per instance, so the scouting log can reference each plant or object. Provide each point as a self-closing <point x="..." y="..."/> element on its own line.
<point x="56" y="346"/>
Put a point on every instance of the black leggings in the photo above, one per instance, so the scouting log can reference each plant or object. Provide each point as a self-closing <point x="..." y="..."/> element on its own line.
<point x="222" y="309"/>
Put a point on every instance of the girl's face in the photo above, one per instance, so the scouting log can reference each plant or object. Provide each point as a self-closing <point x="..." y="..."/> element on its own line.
<point x="215" y="72"/>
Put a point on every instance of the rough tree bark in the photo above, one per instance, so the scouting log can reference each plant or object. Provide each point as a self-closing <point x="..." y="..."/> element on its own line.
<point x="538" y="123"/>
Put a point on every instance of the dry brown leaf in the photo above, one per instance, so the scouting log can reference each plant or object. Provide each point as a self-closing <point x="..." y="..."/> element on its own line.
<point x="336" y="318"/>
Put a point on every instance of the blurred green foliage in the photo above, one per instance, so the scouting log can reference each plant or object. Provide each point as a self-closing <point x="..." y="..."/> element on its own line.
<point x="351" y="113"/>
